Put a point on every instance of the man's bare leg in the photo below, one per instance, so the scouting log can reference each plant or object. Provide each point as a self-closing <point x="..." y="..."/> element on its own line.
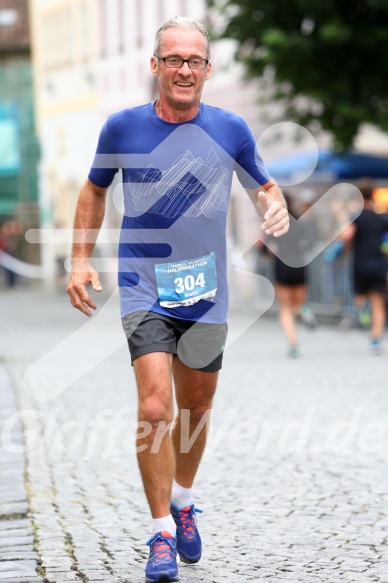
<point x="377" y="301"/>
<point x="286" y="313"/>
<point x="157" y="464"/>
<point x="194" y="390"/>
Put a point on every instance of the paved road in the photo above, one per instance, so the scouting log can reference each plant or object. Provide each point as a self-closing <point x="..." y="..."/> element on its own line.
<point x="293" y="486"/>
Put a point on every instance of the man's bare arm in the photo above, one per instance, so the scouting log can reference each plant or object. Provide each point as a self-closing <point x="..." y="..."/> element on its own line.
<point x="88" y="220"/>
<point x="269" y="202"/>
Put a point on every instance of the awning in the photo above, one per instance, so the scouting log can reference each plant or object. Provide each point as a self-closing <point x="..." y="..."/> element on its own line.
<point x="329" y="167"/>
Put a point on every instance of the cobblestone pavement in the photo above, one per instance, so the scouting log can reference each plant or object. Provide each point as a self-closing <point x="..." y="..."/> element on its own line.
<point x="293" y="485"/>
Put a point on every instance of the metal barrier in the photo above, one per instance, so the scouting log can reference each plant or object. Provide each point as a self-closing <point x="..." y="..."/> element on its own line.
<point x="330" y="283"/>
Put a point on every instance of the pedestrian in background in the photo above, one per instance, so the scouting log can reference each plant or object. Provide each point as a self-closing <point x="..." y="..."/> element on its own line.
<point x="366" y="235"/>
<point x="290" y="276"/>
<point x="183" y="196"/>
<point x="10" y="243"/>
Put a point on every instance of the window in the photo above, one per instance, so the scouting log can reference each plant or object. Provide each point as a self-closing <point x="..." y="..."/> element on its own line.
<point x="139" y="23"/>
<point x="103" y="28"/>
<point x="85" y="40"/>
<point x="8" y="17"/>
<point x="121" y="26"/>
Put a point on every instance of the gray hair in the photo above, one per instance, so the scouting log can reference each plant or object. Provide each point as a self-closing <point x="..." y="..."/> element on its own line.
<point x="182" y="22"/>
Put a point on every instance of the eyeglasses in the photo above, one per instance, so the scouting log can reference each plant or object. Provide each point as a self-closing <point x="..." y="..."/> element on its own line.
<point x="178" y="62"/>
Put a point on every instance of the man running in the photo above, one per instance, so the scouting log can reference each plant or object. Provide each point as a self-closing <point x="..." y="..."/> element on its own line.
<point x="177" y="157"/>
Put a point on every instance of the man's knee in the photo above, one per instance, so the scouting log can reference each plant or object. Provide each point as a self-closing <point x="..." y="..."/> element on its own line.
<point x="155" y="410"/>
<point x="198" y="411"/>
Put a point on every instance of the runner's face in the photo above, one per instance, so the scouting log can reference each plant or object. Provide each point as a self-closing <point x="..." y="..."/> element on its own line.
<point x="181" y="88"/>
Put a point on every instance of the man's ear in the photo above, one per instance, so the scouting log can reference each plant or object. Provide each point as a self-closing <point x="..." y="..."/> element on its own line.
<point x="154" y="67"/>
<point x="209" y="71"/>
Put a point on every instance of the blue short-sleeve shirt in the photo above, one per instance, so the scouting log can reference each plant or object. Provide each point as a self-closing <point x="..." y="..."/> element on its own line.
<point x="176" y="182"/>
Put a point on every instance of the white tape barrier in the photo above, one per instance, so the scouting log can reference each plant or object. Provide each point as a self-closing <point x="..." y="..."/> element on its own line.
<point x="21" y="268"/>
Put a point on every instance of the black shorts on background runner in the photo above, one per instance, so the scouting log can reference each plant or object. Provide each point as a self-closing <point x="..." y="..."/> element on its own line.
<point x="366" y="283"/>
<point x="290" y="276"/>
<point x="199" y="345"/>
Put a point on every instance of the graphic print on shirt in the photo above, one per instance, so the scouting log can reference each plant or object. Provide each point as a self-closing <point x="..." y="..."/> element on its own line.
<point x="191" y="187"/>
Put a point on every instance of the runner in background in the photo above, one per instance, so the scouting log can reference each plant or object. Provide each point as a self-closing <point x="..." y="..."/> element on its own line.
<point x="366" y="235"/>
<point x="290" y="277"/>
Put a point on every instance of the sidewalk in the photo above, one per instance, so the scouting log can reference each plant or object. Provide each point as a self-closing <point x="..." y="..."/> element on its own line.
<point x="293" y="485"/>
<point x="18" y="558"/>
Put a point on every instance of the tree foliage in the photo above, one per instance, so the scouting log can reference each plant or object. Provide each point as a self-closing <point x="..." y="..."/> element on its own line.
<point x="327" y="58"/>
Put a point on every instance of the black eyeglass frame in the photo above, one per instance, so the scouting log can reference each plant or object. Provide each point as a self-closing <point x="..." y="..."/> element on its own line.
<point x="207" y="61"/>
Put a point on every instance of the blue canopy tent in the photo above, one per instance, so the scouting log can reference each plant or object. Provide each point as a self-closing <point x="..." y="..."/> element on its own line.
<point x="329" y="168"/>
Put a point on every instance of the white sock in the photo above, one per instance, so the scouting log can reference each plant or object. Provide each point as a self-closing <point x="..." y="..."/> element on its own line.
<point x="181" y="496"/>
<point x="165" y="523"/>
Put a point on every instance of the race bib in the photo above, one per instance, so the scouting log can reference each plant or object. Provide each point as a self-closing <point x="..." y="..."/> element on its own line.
<point x="184" y="283"/>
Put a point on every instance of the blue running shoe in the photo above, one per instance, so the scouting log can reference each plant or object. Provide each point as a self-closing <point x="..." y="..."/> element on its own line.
<point x="162" y="564"/>
<point x="376" y="346"/>
<point x="188" y="541"/>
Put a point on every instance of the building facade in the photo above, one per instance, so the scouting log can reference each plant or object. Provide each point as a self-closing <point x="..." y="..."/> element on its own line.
<point x="18" y="144"/>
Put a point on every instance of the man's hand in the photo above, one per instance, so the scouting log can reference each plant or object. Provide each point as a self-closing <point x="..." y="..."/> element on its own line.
<point x="276" y="218"/>
<point x="89" y="215"/>
<point x="82" y="275"/>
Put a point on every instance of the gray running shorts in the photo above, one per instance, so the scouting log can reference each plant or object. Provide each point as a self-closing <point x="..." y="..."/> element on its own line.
<point x="199" y="345"/>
